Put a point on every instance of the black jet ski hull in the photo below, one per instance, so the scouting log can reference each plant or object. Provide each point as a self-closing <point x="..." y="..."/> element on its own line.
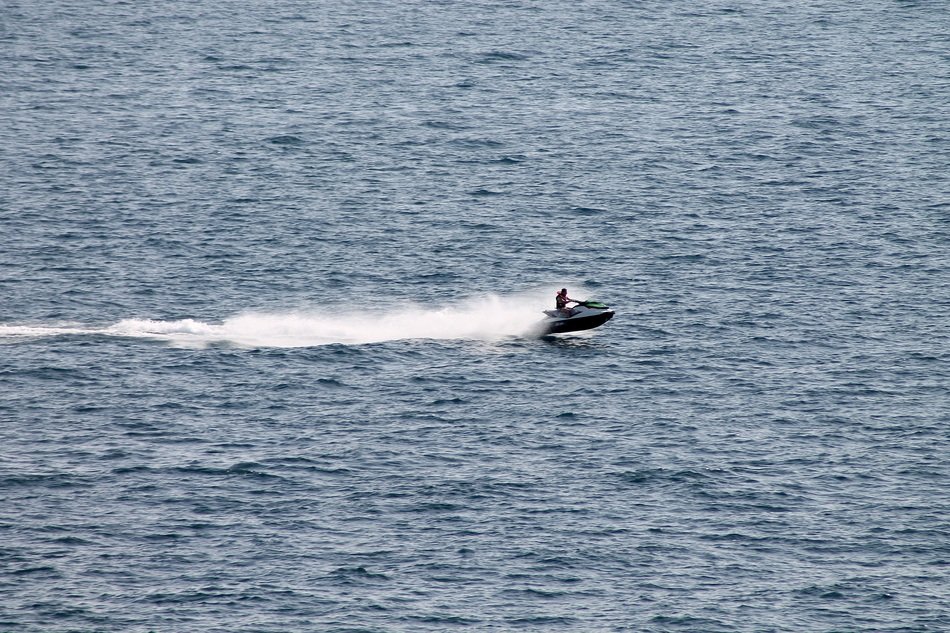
<point x="578" y="323"/>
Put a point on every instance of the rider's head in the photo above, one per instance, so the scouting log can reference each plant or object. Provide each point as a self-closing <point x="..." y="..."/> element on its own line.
<point x="563" y="291"/>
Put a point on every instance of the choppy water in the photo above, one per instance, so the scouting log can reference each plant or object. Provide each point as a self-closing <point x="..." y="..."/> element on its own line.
<point x="269" y="269"/>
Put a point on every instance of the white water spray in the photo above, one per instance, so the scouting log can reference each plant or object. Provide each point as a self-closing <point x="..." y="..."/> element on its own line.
<point x="487" y="318"/>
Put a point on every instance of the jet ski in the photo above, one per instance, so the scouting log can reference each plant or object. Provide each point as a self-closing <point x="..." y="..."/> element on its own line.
<point x="584" y="316"/>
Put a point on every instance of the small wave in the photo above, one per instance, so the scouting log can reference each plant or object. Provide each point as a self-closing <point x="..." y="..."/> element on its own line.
<point x="480" y="193"/>
<point x="515" y="159"/>
<point x="502" y="56"/>
<point x="285" y="139"/>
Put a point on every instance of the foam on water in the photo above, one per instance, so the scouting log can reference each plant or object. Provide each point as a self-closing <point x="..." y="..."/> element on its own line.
<point x="488" y="318"/>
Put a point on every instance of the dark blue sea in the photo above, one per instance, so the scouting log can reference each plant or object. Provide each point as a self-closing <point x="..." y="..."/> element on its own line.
<point x="269" y="276"/>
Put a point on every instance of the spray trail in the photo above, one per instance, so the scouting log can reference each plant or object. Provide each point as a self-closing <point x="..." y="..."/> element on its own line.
<point x="490" y="318"/>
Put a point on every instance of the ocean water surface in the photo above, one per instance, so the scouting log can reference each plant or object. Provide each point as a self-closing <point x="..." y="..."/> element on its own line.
<point x="270" y="273"/>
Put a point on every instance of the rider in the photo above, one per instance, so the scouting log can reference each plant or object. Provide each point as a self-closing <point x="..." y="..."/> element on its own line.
<point x="561" y="300"/>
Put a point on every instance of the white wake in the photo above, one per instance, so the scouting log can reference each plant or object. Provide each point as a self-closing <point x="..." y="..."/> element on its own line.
<point x="488" y="318"/>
